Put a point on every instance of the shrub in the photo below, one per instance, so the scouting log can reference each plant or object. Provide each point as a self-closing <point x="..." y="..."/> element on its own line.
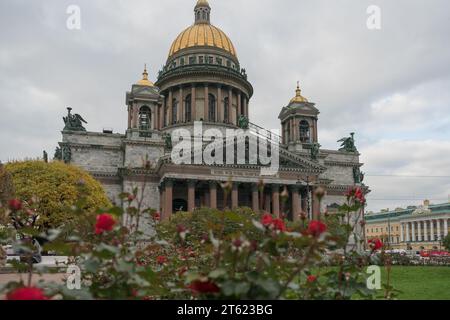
<point x="6" y="185"/>
<point x="446" y="242"/>
<point x="54" y="188"/>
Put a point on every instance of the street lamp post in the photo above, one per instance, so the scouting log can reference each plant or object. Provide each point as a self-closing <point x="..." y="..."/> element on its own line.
<point x="389" y="231"/>
<point x="308" y="206"/>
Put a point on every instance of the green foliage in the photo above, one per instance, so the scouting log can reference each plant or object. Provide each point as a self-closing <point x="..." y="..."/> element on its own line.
<point x="208" y="254"/>
<point x="55" y="187"/>
<point x="6" y="185"/>
<point x="446" y="242"/>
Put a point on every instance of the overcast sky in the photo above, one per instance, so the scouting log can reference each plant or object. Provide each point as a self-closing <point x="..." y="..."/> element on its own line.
<point x="390" y="86"/>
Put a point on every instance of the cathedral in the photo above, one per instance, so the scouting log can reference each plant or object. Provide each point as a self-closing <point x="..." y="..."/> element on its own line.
<point x="202" y="82"/>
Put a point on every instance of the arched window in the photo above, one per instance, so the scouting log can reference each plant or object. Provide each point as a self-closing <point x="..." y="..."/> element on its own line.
<point x="212" y="108"/>
<point x="174" y="111"/>
<point x="188" y="108"/>
<point x="226" y="110"/>
<point x="145" y="118"/>
<point x="305" y="135"/>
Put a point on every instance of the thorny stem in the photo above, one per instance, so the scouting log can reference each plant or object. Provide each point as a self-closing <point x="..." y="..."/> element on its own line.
<point x="298" y="269"/>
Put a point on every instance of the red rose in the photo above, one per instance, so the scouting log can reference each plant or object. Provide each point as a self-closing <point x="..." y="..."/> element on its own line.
<point x="161" y="259"/>
<point x="27" y="293"/>
<point x="157" y="216"/>
<point x="303" y="216"/>
<point x="311" y="278"/>
<point x="15" y="205"/>
<point x="266" y="220"/>
<point x="356" y="193"/>
<point x="359" y="195"/>
<point x="105" y="222"/>
<point x="181" y="229"/>
<point x="131" y="198"/>
<point x="316" y="228"/>
<point x="237" y="243"/>
<point x="375" y="244"/>
<point x="182" y="271"/>
<point x="279" y="225"/>
<point x="198" y="287"/>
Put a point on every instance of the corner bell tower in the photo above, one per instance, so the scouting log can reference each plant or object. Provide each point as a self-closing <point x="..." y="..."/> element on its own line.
<point x="143" y="103"/>
<point x="299" y="123"/>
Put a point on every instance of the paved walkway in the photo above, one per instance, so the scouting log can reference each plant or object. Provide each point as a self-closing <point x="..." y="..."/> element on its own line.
<point x="47" y="261"/>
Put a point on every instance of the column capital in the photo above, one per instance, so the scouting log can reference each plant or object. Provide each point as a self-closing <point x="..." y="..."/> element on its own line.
<point x="212" y="183"/>
<point x="192" y="182"/>
<point x="168" y="182"/>
<point x="275" y="187"/>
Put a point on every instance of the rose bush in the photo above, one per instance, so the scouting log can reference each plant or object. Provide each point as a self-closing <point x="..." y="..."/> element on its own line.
<point x="211" y="254"/>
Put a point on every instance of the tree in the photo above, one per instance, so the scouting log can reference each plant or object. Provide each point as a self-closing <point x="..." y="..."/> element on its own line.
<point x="446" y="242"/>
<point x="6" y="185"/>
<point x="54" y="188"/>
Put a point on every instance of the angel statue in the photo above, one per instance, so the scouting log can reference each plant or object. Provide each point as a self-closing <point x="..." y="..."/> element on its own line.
<point x="73" y="122"/>
<point x="348" y="143"/>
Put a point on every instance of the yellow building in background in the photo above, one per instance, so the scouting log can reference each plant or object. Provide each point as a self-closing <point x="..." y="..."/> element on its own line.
<point x="414" y="228"/>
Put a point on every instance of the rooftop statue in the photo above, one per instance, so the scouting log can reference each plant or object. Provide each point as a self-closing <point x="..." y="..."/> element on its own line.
<point x="243" y="122"/>
<point x="73" y="122"/>
<point x="358" y="175"/>
<point x="315" y="150"/>
<point x="348" y="143"/>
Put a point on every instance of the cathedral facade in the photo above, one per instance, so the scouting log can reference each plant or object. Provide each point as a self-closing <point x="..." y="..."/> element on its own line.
<point x="203" y="83"/>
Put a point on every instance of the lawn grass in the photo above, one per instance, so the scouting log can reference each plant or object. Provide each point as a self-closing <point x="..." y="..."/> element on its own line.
<point x="420" y="283"/>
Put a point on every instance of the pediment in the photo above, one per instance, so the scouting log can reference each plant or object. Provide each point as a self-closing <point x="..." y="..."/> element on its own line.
<point x="288" y="161"/>
<point x="145" y="90"/>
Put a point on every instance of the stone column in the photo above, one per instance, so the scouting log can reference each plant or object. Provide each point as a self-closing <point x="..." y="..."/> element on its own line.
<point x="191" y="195"/>
<point x="220" y="112"/>
<point x="255" y="198"/>
<point x="408" y="237"/>
<point x="419" y="231"/>
<point x="445" y="227"/>
<point x="239" y="104"/>
<point x="438" y="222"/>
<point x="315" y="205"/>
<point x="129" y="116"/>
<point x="234" y="196"/>
<point x="246" y="106"/>
<point x="276" y="200"/>
<point x="157" y="110"/>
<point x="402" y="236"/>
<point x="295" y="203"/>
<point x="180" y="106"/>
<point x="205" y="110"/>
<point x="163" y="200"/>
<point x="213" y="194"/>
<point x="168" y="209"/>
<point x="413" y="231"/>
<point x="425" y="231"/>
<point x="296" y="133"/>
<point x="431" y="230"/>
<point x="231" y="111"/>
<point x="267" y="203"/>
<point x="162" y="115"/>
<point x="193" y="104"/>
<point x="170" y="119"/>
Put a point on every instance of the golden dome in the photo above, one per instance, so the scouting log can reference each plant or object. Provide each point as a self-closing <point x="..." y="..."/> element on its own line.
<point x="201" y="3"/>
<point x="144" y="81"/>
<point x="202" y="34"/>
<point x="298" y="96"/>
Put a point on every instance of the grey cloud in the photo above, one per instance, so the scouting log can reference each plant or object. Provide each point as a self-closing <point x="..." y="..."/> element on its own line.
<point x="363" y="81"/>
